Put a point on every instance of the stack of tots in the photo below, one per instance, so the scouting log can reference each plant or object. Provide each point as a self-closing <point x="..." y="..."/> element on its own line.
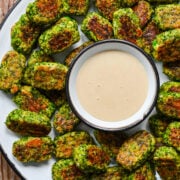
<point x="36" y="81"/>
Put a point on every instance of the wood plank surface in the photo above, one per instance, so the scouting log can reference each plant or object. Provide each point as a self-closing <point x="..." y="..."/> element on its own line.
<point x="6" y="172"/>
<point x="5" y="5"/>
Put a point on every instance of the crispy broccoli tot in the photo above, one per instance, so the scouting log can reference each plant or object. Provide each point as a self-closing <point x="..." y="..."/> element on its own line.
<point x="33" y="149"/>
<point x="170" y="86"/>
<point x="24" y="35"/>
<point x="111" y="173"/>
<point x="28" y="123"/>
<point x="65" y="120"/>
<point x="65" y="169"/>
<point x="96" y="27"/>
<point x="46" y="75"/>
<point x="167" y="16"/>
<point x="11" y="71"/>
<point x="30" y="99"/>
<point x="91" y="158"/>
<point x="60" y="36"/>
<point x="166" y="46"/>
<point x="168" y="104"/>
<point x="110" y="141"/>
<point x="74" y="7"/>
<point x="65" y="144"/>
<point x="172" y="70"/>
<point x="171" y="137"/>
<point x="158" y="124"/>
<point x="167" y="163"/>
<point x="145" y="172"/>
<point x="69" y="59"/>
<point x="136" y="150"/>
<point x="144" y="11"/>
<point x="149" y="33"/>
<point x="107" y="7"/>
<point x="39" y="56"/>
<point x="126" y="25"/>
<point x="43" y="12"/>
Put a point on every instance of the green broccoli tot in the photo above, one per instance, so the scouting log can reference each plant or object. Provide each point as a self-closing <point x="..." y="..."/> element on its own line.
<point x="30" y="99"/>
<point x="65" y="144"/>
<point x="65" y="169"/>
<point x="96" y="27"/>
<point x="33" y="149"/>
<point x="167" y="163"/>
<point x="136" y="150"/>
<point x="60" y="36"/>
<point x="65" y="120"/>
<point x="28" y="123"/>
<point x="90" y="158"/>
<point x="11" y="71"/>
<point x="74" y="7"/>
<point x="24" y="35"/>
<point x="46" y="75"/>
<point x="43" y="12"/>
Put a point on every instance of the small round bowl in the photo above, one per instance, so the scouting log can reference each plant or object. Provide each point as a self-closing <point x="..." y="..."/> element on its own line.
<point x="152" y="87"/>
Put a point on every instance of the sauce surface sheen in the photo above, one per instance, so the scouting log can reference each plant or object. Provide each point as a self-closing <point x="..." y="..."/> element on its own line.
<point x="112" y="85"/>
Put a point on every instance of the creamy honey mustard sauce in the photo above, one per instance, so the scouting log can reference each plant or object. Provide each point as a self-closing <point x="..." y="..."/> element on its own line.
<point x="112" y="85"/>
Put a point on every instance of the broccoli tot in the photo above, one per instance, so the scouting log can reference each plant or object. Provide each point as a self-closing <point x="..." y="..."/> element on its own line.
<point x="11" y="71"/>
<point x="60" y="36"/>
<point x="46" y="75"/>
<point x="111" y="173"/>
<point x="136" y="150"/>
<point x="65" y="120"/>
<point x="90" y="158"/>
<point x="28" y="123"/>
<point x="167" y="163"/>
<point x="170" y="86"/>
<point x="158" y="124"/>
<point x="167" y="16"/>
<point x="172" y="70"/>
<point x="144" y="11"/>
<point x="149" y="33"/>
<point x="107" y="7"/>
<point x="39" y="56"/>
<point x="24" y="35"/>
<point x="168" y="104"/>
<point x="65" y="144"/>
<point x="30" y="99"/>
<point x="33" y="149"/>
<point x="166" y="46"/>
<point x="74" y="7"/>
<point x="171" y="137"/>
<point x="110" y="141"/>
<point x="96" y="27"/>
<point x="65" y="169"/>
<point x="145" y="172"/>
<point x="126" y="25"/>
<point x="43" y="12"/>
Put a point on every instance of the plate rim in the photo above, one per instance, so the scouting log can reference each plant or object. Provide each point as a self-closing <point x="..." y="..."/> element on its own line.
<point x="3" y="153"/>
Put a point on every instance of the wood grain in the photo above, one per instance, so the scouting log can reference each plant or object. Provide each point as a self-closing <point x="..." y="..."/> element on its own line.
<point x="5" y="5"/>
<point x="6" y="172"/>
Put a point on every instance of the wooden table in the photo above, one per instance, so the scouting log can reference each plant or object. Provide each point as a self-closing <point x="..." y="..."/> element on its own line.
<point x="6" y="172"/>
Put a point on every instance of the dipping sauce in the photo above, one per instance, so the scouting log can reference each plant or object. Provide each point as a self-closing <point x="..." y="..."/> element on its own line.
<point x="112" y="85"/>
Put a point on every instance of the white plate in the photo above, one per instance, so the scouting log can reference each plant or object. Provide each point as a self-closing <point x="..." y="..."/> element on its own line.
<point x="41" y="170"/>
